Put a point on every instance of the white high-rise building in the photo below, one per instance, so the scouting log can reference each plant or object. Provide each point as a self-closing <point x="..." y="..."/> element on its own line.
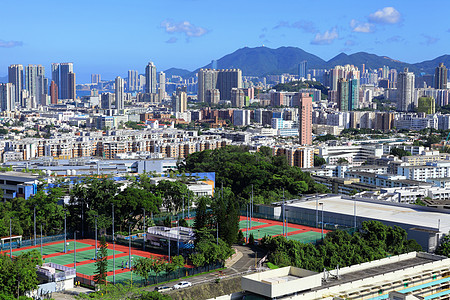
<point x="405" y="91"/>
<point x="132" y="84"/>
<point x="162" y="86"/>
<point x="150" y="79"/>
<point x="119" y="94"/>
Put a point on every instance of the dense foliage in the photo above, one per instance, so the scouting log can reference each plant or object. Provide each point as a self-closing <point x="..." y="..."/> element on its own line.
<point x="18" y="275"/>
<point x="297" y="86"/>
<point x="374" y="241"/>
<point x="101" y="263"/>
<point x="239" y="170"/>
<point x="444" y="246"/>
<point x="399" y="152"/>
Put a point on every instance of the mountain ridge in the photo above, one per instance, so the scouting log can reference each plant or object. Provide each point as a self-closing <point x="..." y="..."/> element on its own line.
<point x="262" y="61"/>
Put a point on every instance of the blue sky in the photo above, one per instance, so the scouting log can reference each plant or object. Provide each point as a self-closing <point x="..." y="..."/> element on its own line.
<point x="111" y="37"/>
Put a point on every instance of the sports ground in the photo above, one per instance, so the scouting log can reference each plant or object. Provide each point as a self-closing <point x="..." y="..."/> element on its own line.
<point x="85" y="254"/>
<point x="262" y="227"/>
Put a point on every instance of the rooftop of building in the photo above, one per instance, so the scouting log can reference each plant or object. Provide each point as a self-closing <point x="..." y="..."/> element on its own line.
<point x="415" y="215"/>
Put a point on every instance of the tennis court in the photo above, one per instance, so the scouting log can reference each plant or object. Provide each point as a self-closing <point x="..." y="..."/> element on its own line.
<point x="243" y="224"/>
<point x="124" y="276"/>
<point x="306" y="236"/>
<point x="270" y="230"/>
<point x="48" y="249"/>
<point x="89" y="269"/>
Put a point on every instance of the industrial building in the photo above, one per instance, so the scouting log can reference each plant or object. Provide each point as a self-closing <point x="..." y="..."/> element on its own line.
<point x="414" y="275"/>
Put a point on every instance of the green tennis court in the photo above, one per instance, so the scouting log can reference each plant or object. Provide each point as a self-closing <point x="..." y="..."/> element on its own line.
<point x="54" y="248"/>
<point x="306" y="237"/>
<point x="81" y="256"/>
<point x="89" y="269"/>
<point x="271" y="230"/>
<point x="124" y="276"/>
<point x="243" y="224"/>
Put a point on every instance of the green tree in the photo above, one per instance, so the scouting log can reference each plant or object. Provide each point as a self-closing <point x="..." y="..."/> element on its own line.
<point x="101" y="263"/>
<point x="399" y="152"/>
<point x="143" y="267"/>
<point x="444" y="246"/>
<point x="319" y="161"/>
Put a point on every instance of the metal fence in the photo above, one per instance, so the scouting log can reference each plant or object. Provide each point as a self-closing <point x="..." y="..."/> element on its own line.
<point x="31" y="241"/>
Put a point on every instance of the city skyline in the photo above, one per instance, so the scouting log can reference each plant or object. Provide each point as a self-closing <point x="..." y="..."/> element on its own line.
<point x="196" y="32"/>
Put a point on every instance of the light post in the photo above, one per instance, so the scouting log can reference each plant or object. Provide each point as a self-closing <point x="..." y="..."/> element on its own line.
<point x="354" y="212"/>
<point x="34" y="213"/>
<point x="41" y="240"/>
<point x="178" y="237"/>
<point x="321" y="204"/>
<point x="10" y="238"/>
<point x="114" y="247"/>
<point x="65" y="230"/>
<point x="145" y="232"/>
<point x="317" y="212"/>
<point x="287" y="210"/>
<point x="129" y="245"/>
<point x="75" y="250"/>
<point x="183" y="207"/>
<point x="96" y="236"/>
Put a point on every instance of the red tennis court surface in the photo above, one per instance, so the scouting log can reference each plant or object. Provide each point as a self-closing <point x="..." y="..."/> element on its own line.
<point x="85" y="253"/>
<point x="261" y="227"/>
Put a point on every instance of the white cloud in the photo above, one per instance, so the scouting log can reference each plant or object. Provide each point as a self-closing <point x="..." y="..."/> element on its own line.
<point x="190" y="30"/>
<point x="429" y="40"/>
<point x="361" y="27"/>
<point x="387" y="15"/>
<point x="305" y="26"/>
<point x="325" y="38"/>
<point x="10" y="44"/>
<point x="172" y="40"/>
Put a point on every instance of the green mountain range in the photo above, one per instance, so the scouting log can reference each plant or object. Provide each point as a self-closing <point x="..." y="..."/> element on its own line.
<point x="261" y="61"/>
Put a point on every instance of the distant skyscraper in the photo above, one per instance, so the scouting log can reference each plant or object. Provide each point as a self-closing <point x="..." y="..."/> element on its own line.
<point x="179" y="101"/>
<point x="343" y="91"/>
<point x="34" y="84"/>
<point x="15" y="76"/>
<point x="207" y="80"/>
<point x="107" y="99"/>
<point x="393" y="78"/>
<point x="302" y="69"/>
<point x="405" y="91"/>
<point x="304" y="118"/>
<point x="353" y="96"/>
<point x="162" y="85"/>
<point x="150" y="78"/>
<point x="53" y="93"/>
<point x="95" y="78"/>
<point x="71" y="86"/>
<point x="65" y="69"/>
<point x="56" y="77"/>
<point x="237" y="98"/>
<point x="228" y="79"/>
<point x="119" y="94"/>
<point x="214" y="64"/>
<point x="7" y="95"/>
<point x="440" y="77"/>
<point x="132" y="84"/>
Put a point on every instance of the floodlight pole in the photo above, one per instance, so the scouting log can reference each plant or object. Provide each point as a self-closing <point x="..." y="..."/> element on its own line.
<point x="75" y="250"/>
<point x="114" y="247"/>
<point x="145" y="232"/>
<point x="41" y="240"/>
<point x="96" y="236"/>
<point x="129" y="245"/>
<point x="65" y="231"/>
<point x="10" y="239"/>
<point x="34" y="213"/>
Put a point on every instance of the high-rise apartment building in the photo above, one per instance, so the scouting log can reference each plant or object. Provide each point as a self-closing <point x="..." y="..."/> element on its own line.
<point x="119" y="86"/>
<point x="7" y="94"/>
<point x="96" y="78"/>
<point x="133" y="80"/>
<point x="228" y="79"/>
<point x="213" y="96"/>
<point x="34" y="83"/>
<point x="302" y="69"/>
<point x="405" y="91"/>
<point x="162" y="85"/>
<point x="440" y="77"/>
<point x="15" y="76"/>
<point x="106" y="101"/>
<point x="56" y="77"/>
<point x="64" y="70"/>
<point x="71" y="86"/>
<point x="237" y="98"/>
<point x="179" y="101"/>
<point x="53" y="93"/>
<point x="207" y="80"/>
<point x="304" y="118"/>
<point x="150" y="79"/>
<point x="343" y="92"/>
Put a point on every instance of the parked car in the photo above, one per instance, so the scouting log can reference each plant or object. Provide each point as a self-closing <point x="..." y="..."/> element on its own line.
<point x="181" y="285"/>
<point x="163" y="288"/>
